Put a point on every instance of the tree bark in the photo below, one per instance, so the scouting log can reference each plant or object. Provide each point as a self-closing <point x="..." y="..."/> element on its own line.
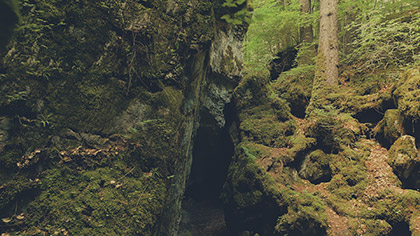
<point x="306" y="32"/>
<point x="327" y="64"/>
<point x="308" y="51"/>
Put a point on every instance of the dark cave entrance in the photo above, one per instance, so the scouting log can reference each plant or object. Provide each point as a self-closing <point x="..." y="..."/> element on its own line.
<point x="213" y="149"/>
<point x="212" y="153"/>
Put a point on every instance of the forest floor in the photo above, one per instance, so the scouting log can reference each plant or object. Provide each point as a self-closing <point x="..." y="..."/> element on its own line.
<point x="202" y="219"/>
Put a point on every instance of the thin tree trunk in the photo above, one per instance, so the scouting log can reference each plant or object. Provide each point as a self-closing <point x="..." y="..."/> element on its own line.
<point x="306" y="37"/>
<point x="327" y="64"/>
<point x="306" y="32"/>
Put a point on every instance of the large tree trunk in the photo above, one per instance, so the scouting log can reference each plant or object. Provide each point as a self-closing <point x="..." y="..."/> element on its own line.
<point x="327" y="70"/>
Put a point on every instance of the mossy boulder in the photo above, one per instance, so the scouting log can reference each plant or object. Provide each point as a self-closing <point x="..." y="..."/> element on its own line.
<point x="96" y="202"/>
<point x="333" y="130"/>
<point x="408" y="95"/>
<point x="403" y="157"/>
<point x="249" y="206"/>
<point x="305" y="214"/>
<point x="315" y="167"/>
<point x="98" y="77"/>
<point x="264" y="117"/>
<point x="390" y="128"/>
<point x="301" y="223"/>
<point x="295" y="87"/>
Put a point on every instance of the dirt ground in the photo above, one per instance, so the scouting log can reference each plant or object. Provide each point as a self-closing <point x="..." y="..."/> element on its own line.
<point x="202" y="219"/>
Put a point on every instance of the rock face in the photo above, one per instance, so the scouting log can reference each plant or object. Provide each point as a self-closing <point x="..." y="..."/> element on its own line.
<point x="102" y="101"/>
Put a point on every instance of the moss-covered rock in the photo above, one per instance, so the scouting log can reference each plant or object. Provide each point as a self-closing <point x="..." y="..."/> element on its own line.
<point x="390" y="128"/>
<point x="95" y="202"/>
<point x="408" y="93"/>
<point x="315" y="167"/>
<point x="98" y="84"/>
<point x="249" y="206"/>
<point x="333" y="130"/>
<point x="295" y="87"/>
<point x="403" y="157"/>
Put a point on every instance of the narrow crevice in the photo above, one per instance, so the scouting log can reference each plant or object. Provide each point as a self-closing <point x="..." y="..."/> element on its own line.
<point x="213" y="149"/>
<point x="211" y="157"/>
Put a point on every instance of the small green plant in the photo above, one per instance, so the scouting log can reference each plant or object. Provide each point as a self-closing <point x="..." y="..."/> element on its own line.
<point x="45" y="120"/>
<point x="17" y="96"/>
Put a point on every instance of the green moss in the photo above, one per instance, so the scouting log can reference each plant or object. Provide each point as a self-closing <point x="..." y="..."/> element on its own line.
<point x="295" y="87"/>
<point x="316" y="167"/>
<point x="305" y="216"/>
<point x="267" y="122"/>
<point x="251" y="92"/>
<point x="300" y="143"/>
<point x="332" y="130"/>
<point x="403" y="156"/>
<point x="408" y="93"/>
<point x="390" y="128"/>
<point x="18" y="190"/>
<point x="266" y="129"/>
<point x="349" y="179"/>
<point x="95" y="202"/>
<point x="371" y="227"/>
<point x="244" y="187"/>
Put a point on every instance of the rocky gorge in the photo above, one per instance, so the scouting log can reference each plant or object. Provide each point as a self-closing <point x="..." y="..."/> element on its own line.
<point x="141" y="118"/>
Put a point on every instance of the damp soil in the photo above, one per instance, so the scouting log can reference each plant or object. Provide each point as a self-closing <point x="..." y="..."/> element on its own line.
<point x="203" y="218"/>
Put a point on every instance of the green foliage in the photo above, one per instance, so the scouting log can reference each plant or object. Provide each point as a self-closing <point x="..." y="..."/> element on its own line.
<point x="274" y="27"/>
<point x="382" y="34"/>
<point x="238" y="18"/>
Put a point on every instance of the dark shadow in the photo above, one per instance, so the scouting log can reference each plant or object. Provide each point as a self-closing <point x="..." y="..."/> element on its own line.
<point x="413" y="180"/>
<point x="370" y="116"/>
<point x="298" y="108"/>
<point x="400" y="229"/>
<point x="412" y="127"/>
<point x="8" y="20"/>
<point x="212" y="153"/>
<point x="285" y="61"/>
<point x="202" y="208"/>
